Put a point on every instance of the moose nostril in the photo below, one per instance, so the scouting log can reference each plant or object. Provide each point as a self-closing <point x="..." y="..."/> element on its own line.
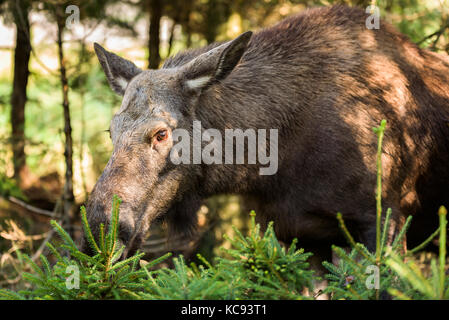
<point x="125" y="233"/>
<point x="129" y="237"/>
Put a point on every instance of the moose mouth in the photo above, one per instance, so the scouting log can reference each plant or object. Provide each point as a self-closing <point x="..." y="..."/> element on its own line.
<point x="131" y="237"/>
<point x="131" y="245"/>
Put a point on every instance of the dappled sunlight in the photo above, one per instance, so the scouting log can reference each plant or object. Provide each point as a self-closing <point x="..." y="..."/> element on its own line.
<point x="93" y="95"/>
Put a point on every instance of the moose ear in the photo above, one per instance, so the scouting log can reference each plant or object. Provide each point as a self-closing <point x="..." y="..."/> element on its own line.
<point x="214" y="65"/>
<point x="119" y="71"/>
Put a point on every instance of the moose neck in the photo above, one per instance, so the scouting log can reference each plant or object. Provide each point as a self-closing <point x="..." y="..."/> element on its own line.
<point x="234" y="104"/>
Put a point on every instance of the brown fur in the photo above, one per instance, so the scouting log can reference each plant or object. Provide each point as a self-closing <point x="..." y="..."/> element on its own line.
<point x="324" y="80"/>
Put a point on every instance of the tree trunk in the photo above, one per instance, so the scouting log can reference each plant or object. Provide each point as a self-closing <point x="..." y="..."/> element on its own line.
<point x="212" y="21"/>
<point x="217" y="12"/>
<point x="68" y="197"/>
<point x="154" y="32"/>
<point x="82" y="91"/>
<point x="188" y="4"/>
<point x="172" y="36"/>
<point x="22" y="52"/>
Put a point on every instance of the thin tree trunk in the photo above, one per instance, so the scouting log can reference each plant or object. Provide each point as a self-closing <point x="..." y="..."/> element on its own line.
<point x="19" y="93"/>
<point x="68" y="197"/>
<point x="212" y="21"/>
<point x="189" y="35"/>
<point x="83" y="141"/>
<point x="172" y="36"/>
<point x="186" y="21"/>
<point x="154" y="33"/>
<point x="82" y="92"/>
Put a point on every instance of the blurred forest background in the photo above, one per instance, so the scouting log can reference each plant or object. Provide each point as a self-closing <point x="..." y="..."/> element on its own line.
<point x="55" y="103"/>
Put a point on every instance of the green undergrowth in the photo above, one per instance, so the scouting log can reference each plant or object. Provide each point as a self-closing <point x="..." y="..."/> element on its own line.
<point x="256" y="266"/>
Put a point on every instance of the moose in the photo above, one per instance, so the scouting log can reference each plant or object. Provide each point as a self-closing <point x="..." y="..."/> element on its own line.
<point x="323" y="80"/>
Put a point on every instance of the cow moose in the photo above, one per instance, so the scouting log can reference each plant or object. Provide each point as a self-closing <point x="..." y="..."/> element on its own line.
<point x="323" y="80"/>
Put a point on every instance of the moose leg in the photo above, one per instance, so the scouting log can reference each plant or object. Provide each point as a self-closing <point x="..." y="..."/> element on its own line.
<point x="321" y="252"/>
<point x="182" y="219"/>
<point x="367" y="229"/>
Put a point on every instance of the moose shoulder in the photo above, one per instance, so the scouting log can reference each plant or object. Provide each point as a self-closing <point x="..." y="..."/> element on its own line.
<point x="322" y="81"/>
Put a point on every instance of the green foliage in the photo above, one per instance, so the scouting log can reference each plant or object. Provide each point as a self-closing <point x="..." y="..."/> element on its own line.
<point x="184" y="282"/>
<point x="255" y="267"/>
<point x="8" y="186"/>
<point x="362" y="274"/>
<point x="354" y="278"/>
<point x="419" y="287"/>
<point x="264" y="268"/>
<point x="102" y="276"/>
<point x="258" y="268"/>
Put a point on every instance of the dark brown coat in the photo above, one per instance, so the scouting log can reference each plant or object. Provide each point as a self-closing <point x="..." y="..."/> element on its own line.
<point x="324" y="81"/>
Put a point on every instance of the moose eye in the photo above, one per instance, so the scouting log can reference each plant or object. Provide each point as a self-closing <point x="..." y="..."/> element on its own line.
<point x="161" y="135"/>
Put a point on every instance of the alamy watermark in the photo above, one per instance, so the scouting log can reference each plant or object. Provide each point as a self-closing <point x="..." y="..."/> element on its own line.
<point x="74" y="17"/>
<point x="372" y="281"/>
<point x="209" y="147"/>
<point x="373" y="20"/>
<point x="73" y="277"/>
